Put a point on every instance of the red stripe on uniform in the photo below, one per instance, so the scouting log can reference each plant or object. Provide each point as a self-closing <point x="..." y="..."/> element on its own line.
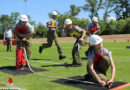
<point x="21" y="30"/>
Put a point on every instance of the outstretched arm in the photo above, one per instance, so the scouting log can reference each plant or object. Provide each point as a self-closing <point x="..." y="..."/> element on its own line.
<point x="83" y="35"/>
<point x="112" y="71"/>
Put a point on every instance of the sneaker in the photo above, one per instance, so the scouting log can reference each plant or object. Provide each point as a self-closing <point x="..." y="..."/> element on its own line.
<point x="61" y="57"/>
<point x="40" y="49"/>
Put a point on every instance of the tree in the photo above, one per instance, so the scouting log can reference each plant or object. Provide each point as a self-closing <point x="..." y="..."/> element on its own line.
<point x="74" y="11"/>
<point x="108" y="5"/>
<point x="93" y="6"/>
<point x="40" y="31"/>
<point x="122" y="9"/>
<point x="4" y="21"/>
<point x="121" y="25"/>
<point x="15" y="17"/>
<point x="108" y="27"/>
<point x="127" y="26"/>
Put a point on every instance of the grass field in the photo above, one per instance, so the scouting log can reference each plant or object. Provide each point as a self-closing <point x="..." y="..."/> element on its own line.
<point x="121" y="57"/>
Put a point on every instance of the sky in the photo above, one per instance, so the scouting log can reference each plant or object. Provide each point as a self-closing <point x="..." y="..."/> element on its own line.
<point x="39" y="9"/>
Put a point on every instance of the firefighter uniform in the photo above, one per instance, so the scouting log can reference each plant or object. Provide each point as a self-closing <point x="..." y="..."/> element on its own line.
<point x="93" y="27"/>
<point x="52" y="35"/>
<point x="77" y="33"/>
<point x="101" y="63"/>
<point x="21" y="32"/>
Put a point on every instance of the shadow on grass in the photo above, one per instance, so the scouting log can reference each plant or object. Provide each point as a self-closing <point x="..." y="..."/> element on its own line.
<point x="84" y="58"/>
<point x="78" y="82"/>
<point x="58" y="65"/>
<point x="13" y="71"/>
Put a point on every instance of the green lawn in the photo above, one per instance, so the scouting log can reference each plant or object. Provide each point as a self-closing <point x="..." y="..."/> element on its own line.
<point x="121" y="57"/>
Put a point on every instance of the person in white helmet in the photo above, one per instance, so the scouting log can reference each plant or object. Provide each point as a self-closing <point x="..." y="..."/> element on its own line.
<point x="94" y="27"/>
<point x="80" y="34"/>
<point x="23" y="31"/>
<point x="52" y="36"/>
<point x="99" y="60"/>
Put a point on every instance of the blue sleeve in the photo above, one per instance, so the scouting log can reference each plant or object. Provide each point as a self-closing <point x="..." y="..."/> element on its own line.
<point x="91" y="55"/>
<point x="89" y="26"/>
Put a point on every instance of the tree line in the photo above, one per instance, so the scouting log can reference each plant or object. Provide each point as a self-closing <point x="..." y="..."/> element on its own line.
<point x="121" y="8"/>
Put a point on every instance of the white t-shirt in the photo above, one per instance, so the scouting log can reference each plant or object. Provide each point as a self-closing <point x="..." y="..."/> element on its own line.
<point x="8" y="33"/>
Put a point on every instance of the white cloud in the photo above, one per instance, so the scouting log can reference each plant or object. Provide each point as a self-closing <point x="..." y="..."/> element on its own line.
<point x="111" y="18"/>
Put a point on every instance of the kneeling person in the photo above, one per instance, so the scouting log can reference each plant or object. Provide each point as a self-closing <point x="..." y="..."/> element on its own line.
<point x="99" y="60"/>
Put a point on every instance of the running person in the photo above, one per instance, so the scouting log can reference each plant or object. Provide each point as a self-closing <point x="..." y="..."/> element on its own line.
<point x="94" y="27"/>
<point x="23" y="32"/>
<point x="99" y="60"/>
<point x="52" y="36"/>
<point x="80" y="34"/>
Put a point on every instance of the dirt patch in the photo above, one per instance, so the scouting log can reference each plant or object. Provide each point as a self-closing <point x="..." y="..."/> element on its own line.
<point x="106" y="38"/>
<point x="117" y="38"/>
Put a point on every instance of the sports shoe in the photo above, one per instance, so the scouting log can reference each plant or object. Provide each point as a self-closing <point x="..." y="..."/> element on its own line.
<point x="40" y="49"/>
<point x="61" y="57"/>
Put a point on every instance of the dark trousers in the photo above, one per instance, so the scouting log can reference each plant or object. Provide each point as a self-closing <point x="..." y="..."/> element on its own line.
<point x="9" y="44"/>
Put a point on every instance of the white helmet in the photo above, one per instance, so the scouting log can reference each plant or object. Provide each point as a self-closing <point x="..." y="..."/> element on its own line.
<point x="68" y="21"/>
<point x="95" y="39"/>
<point x="95" y="19"/>
<point x="23" y="17"/>
<point x="54" y="13"/>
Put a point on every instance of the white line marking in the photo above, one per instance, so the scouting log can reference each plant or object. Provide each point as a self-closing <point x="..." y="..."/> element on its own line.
<point x="60" y="63"/>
